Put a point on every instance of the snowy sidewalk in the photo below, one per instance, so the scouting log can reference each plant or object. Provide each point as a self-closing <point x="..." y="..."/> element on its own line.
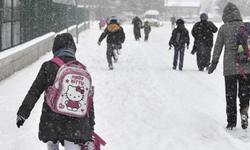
<point x="141" y="105"/>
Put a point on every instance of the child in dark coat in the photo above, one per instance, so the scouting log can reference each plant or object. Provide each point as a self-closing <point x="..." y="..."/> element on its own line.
<point x="147" y="30"/>
<point x="115" y="37"/>
<point x="203" y="41"/>
<point x="179" y="38"/>
<point x="55" y="127"/>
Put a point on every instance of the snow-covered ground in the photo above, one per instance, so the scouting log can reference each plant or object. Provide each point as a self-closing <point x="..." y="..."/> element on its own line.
<point x="141" y="105"/>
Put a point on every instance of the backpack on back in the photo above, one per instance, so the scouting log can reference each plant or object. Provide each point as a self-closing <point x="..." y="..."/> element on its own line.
<point x="243" y="46"/>
<point x="71" y="93"/>
<point x="178" y="37"/>
<point x="244" y="42"/>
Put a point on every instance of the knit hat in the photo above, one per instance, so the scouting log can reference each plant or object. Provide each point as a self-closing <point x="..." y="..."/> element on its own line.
<point x="64" y="40"/>
<point x="113" y="19"/>
<point x="204" y="16"/>
<point x="179" y="22"/>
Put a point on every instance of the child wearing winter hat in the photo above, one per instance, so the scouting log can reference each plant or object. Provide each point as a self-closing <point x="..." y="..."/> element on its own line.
<point x="147" y="30"/>
<point x="54" y="128"/>
<point x="202" y="32"/>
<point x="179" y="38"/>
<point x="203" y="16"/>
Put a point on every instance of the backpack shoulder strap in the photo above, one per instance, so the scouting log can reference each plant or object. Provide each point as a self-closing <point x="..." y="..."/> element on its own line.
<point x="58" y="61"/>
<point x="102" y="142"/>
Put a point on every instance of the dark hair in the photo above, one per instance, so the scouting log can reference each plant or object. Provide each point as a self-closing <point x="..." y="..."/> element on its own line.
<point x="64" y="40"/>
<point x="203" y="16"/>
<point x="179" y="22"/>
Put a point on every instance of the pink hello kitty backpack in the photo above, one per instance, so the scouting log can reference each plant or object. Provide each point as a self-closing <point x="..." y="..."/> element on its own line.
<point x="71" y="92"/>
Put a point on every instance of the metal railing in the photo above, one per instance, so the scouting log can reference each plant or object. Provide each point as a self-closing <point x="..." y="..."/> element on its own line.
<point x="24" y="20"/>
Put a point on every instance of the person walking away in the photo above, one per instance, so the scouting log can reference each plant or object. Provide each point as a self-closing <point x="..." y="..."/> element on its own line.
<point x="203" y="41"/>
<point x="54" y="127"/>
<point x="115" y="37"/>
<point x="137" y="27"/>
<point x="173" y="20"/>
<point x="102" y="23"/>
<point x="179" y="38"/>
<point x="235" y="84"/>
<point x="147" y="30"/>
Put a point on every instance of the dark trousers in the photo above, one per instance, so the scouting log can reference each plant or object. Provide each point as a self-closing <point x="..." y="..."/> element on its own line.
<point x="146" y="37"/>
<point x="236" y="84"/>
<point x="110" y="52"/>
<point x="137" y="33"/>
<point x="178" y="53"/>
<point x="203" y="56"/>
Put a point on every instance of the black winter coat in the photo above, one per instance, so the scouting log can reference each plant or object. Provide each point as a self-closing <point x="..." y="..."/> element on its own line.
<point x="203" y="33"/>
<point x="147" y="29"/>
<point x="179" y="37"/>
<point x="115" y="34"/>
<point x="137" y="27"/>
<point x="54" y="126"/>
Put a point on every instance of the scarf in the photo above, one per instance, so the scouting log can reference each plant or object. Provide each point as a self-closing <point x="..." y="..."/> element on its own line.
<point x="65" y="52"/>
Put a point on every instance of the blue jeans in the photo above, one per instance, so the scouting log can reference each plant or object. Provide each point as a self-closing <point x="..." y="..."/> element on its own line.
<point x="179" y="51"/>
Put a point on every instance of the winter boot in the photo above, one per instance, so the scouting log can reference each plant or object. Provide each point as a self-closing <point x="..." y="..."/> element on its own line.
<point x="201" y="69"/>
<point x="111" y="67"/>
<point x="244" y="117"/>
<point x="231" y="119"/>
<point x="231" y="126"/>
<point x="52" y="146"/>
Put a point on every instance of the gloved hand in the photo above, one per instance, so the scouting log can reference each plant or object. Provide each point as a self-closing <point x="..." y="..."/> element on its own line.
<point x="99" y="43"/>
<point x="193" y="52"/>
<point x="120" y="46"/>
<point x="170" y="47"/>
<point x="19" y="121"/>
<point x="212" y="67"/>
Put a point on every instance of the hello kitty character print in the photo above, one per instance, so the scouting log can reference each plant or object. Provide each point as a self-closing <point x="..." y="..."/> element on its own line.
<point x="74" y="95"/>
<point x="70" y="93"/>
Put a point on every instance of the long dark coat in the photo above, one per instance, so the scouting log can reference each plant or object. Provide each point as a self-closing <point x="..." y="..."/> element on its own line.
<point x="203" y="42"/>
<point x="203" y="33"/>
<point x="137" y="27"/>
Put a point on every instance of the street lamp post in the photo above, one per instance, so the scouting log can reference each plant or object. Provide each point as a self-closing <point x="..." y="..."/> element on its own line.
<point x="76" y="22"/>
<point x="166" y="9"/>
<point x="67" y="16"/>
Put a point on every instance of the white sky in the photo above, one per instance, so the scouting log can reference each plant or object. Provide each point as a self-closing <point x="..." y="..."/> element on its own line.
<point x="183" y="2"/>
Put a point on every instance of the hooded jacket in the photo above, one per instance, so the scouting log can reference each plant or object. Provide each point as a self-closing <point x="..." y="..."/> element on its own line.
<point x="228" y="37"/>
<point x="115" y="34"/>
<point x="147" y="28"/>
<point x="54" y="126"/>
<point x="203" y="33"/>
<point x="180" y="36"/>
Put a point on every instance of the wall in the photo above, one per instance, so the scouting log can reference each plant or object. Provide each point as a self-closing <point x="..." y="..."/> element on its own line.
<point x="21" y="56"/>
